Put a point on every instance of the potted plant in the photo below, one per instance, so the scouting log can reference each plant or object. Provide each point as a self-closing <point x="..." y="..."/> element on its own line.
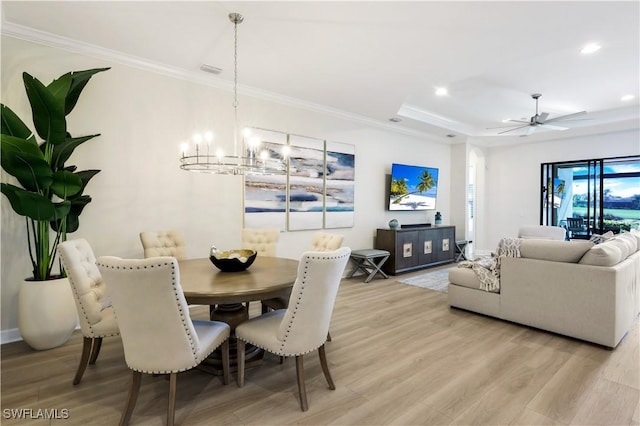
<point x="50" y="197"/>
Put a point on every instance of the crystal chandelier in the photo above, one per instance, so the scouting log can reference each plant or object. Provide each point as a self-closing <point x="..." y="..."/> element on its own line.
<point x="202" y="157"/>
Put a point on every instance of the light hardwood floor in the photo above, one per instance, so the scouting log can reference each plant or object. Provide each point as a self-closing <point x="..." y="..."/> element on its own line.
<point x="399" y="356"/>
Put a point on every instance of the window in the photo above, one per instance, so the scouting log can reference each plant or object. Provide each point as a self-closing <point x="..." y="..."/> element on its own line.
<point x="591" y="196"/>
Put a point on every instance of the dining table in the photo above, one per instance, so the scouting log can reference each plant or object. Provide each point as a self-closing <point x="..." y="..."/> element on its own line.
<point x="228" y="295"/>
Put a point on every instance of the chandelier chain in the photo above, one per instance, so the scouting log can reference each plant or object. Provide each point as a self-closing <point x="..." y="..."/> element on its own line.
<point x="235" y="65"/>
<point x="249" y="160"/>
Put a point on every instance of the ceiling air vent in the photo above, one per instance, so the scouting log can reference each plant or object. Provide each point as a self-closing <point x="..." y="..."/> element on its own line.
<point x="210" y="69"/>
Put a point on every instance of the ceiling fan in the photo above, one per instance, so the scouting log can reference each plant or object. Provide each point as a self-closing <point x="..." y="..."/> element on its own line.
<point x="540" y="120"/>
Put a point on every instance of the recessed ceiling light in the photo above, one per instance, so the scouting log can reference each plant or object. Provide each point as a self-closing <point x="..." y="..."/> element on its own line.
<point x="506" y="120"/>
<point x="627" y="97"/>
<point x="441" y="91"/>
<point x="590" y="48"/>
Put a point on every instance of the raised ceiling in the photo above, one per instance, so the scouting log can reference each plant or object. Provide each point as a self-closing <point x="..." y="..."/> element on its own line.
<point x="379" y="60"/>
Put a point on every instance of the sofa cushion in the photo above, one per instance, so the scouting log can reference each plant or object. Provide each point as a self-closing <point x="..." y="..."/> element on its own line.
<point x="623" y="245"/>
<point x="542" y="232"/>
<point x="464" y="277"/>
<point x="605" y="254"/>
<point x="636" y="234"/>
<point x="629" y="240"/>
<point x="553" y="250"/>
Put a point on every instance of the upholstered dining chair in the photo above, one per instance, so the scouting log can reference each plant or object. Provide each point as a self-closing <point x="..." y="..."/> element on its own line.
<point x="263" y="241"/>
<point x="322" y="241"/>
<point x="303" y="326"/>
<point x="158" y="334"/>
<point x="95" y="313"/>
<point x="163" y="243"/>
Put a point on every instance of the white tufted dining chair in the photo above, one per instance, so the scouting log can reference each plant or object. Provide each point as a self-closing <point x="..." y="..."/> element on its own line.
<point x="303" y="326"/>
<point x="322" y="241"/>
<point x="95" y="313"/>
<point x="163" y="243"/>
<point x="158" y="334"/>
<point x="263" y="241"/>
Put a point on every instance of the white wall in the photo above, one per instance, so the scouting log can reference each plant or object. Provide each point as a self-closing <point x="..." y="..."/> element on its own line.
<point x="143" y="117"/>
<point x="512" y="191"/>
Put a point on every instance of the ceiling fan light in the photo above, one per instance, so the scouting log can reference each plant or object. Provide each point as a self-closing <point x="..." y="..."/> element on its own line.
<point x="590" y="48"/>
<point x="441" y="91"/>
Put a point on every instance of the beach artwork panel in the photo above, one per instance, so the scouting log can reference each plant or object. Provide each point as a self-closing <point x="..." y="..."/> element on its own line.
<point x="306" y="183"/>
<point x="265" y="196"/>
<point x="413" y="188"/>
<point x="339" y="185"/>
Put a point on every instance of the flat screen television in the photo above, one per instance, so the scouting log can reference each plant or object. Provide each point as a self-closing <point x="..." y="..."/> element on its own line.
<point x="413" y="187"/>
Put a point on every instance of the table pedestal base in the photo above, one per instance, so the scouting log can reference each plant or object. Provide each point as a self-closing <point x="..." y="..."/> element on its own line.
<point x="233" y="314"/>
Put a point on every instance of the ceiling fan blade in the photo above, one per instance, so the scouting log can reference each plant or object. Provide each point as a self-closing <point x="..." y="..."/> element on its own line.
<point x="501" y="127"/>
<point x="515" y="128"/>
<point x="567" y="117"/>
<point x="542" y="117"/>
<point x="549" y="126"/>
<point x="519" y="121"/>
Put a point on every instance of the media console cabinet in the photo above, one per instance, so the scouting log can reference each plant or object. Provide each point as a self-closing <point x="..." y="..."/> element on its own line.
<point x="416" y="248"/>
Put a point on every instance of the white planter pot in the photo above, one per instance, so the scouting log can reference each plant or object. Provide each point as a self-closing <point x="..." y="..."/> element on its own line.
<point x="46" y="313"/>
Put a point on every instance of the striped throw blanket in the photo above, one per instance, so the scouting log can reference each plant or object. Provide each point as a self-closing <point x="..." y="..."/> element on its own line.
<point x="487" y="269"/>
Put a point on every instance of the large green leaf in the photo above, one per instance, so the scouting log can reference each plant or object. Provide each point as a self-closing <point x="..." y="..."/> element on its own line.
<point x="65" y="184"/>
<point x="47" y="110"/>
<point x="78" y="202"/>
<point x="29" y="204"/>
<point x="12" y="125"/>
<point x="24" y="161"/>
<point x="79" y="80"/>
<point x="62" y="152"/>
<point x="73" y="218"/>
<point x="85" y="176"/>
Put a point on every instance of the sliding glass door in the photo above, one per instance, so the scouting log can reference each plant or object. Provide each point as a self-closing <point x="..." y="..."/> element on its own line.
<point x="591" y="196"/>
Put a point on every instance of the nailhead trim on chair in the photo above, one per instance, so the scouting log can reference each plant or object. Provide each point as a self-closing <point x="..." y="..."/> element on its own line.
<point x="281" y="352"/>
<point x="182" y="316"/>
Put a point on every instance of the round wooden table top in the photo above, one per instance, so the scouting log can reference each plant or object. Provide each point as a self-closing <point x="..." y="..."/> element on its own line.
<point x="204" y="284"/>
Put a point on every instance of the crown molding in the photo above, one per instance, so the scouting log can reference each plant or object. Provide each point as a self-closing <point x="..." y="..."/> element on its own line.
<point x="75" y="46"/>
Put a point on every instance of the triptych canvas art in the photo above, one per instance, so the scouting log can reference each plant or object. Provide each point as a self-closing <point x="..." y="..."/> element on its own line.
<point x="317" y="192"/>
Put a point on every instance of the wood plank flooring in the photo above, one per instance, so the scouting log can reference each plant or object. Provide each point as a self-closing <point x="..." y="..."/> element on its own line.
<point x="399" y="356"/>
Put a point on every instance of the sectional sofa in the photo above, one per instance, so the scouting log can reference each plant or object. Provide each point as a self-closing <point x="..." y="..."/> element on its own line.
<point x="575" y="288"/>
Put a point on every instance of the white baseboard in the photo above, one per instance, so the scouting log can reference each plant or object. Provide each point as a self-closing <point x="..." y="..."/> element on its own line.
<point x="9" y="336"/>
<point x="13" y="335"/>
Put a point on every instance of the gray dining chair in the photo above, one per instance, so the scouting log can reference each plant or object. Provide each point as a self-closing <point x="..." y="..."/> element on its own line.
<point x="302" y="327"/>
<point x="158" y="334"/>
<point x="95" y="312"/>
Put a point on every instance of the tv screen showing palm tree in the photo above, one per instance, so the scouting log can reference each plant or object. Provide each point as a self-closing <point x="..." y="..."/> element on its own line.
<point x="413" y="187"/>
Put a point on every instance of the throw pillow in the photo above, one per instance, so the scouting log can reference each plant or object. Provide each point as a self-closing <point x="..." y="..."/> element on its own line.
<point x="605" y="254"/>
<point x="553" y="250"/>
<point x="597" y="239"/>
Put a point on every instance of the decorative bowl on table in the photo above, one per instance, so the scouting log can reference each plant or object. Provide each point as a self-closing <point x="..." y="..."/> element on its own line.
<point x="232" y="260"/>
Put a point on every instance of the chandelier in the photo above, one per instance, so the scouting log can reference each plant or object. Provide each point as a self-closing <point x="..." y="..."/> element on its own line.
<point x="201" y="156"/>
